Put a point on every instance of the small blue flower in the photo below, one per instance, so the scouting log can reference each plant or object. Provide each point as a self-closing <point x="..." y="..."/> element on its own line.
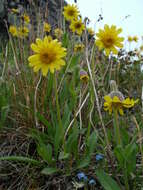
<point x="85" y="178"/>
<point x="82" y="176"/>
<point x="99" y="157"/>
<point x="92" y="182"/>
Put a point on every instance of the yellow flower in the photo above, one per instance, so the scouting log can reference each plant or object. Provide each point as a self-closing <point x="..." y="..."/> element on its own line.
<point x="58" y="33"/>
<point x="109" y="40"/>
<point x="13" y="30"/>
<point x="128" y="103"/>
<point x="23" y="31"/>
<point x="26" y="18"/>
<point x="47" y="27"/>
<point x="48" y="55"/>
<point x="130" y="39"/>
<point x="115" y="103"/>
<point x="91" y="31"/>
<point x="135" y="39"/>
<point x="77" y="26"/>
<point x="141" y="48"/>
<point x="84" y="76"/>
<point x="78" y="47"/>
<point x="15" y="11"/>
<point x="70" y="12"/>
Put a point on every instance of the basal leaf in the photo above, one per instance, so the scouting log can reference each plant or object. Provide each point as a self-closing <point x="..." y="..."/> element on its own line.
<point x="49" y="171"/>
<point x="106" y="181"/>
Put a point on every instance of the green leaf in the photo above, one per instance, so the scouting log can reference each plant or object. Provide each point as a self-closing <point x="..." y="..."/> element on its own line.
<point x="72" y="141"/>
<point x="125" y="136"/>
<point x="131" y="152"/>
<point x="49" y="171"/>
<point x="91" y="143"/>
<point x="58" y="139"/>
<point x="83" y="163"/>
<point x="65" y="39"/>
<point x="74" y="62"/>
<point x="49" y="128"/>
<point x="119" y="153"/>
<point x="43" y="120"/>
<point x="20" y="159"/>
<point x="66" y="116"/>
<point x="45" y="152"/>
<point x="39" y="136"/>
<point x="106" y="181"/>
<point x="63" y="155"/>
<point x="127" y="157"/>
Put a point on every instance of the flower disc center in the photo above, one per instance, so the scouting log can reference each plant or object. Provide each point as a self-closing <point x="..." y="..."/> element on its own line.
<point x="78" y="25"/>
<point x="71" y="12"/>
<point x="47" y="57"/>
<point x="109" y="42"/>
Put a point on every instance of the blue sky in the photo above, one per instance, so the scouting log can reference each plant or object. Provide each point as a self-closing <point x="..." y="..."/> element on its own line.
<point x="114" y="12"/>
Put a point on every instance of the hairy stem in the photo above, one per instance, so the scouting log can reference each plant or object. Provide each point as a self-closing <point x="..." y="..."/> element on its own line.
<point x="35" y="100"/>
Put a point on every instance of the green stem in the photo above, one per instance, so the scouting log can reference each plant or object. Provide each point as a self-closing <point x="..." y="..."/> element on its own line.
<point x="126" y="178"/>
<point x="59" y="134"/>
<point x="35" y="101"/>
<point x="140" y="137"/>
<point x="57" y="102"/>
<point x="88" y="130"/>
<point x="116" y="128"/>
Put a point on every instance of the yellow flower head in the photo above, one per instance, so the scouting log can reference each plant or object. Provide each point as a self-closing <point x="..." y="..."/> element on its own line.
<point x="109" y="40"/>
<point x="48" y="55"/>
<point x="47" y="27"/>
<point x="115" y="103"/>
<point x="13" y="30"/>
<point x="77" y="26"/>
<point x="58" y="33"/>
<point x="78" y="47"/>
<point x="130" y="39"/>
<point x="135" y="39"/>
<point x="91" y="31"/>
<point x="128" y="103"/>
<point x="26" y="18"/>
<point x="70" y="12"/>
<point x="84" y="76"/>
<point x="23" y="31"/>
<point x="15" y="11"/>
<point x="141" y="48"/>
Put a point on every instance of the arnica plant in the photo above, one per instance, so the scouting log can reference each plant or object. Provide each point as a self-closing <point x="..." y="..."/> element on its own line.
<point x="71" y="110"/>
